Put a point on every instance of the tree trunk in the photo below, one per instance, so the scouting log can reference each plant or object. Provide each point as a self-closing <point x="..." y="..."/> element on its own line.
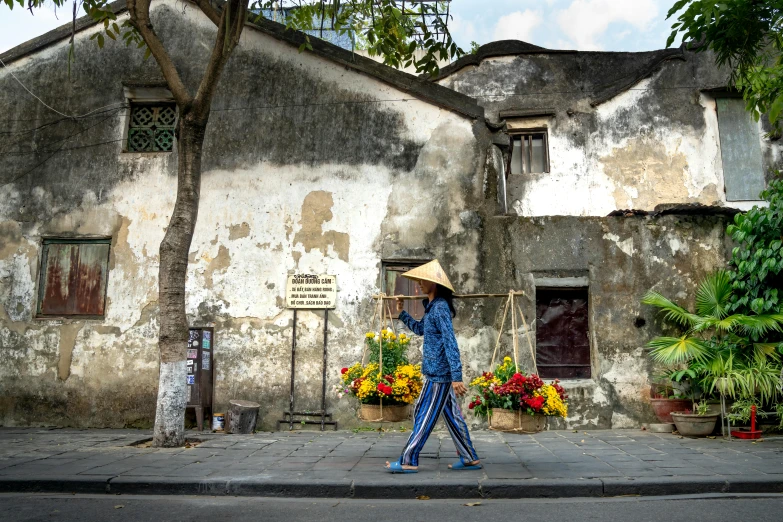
<point x="172" y="386"/>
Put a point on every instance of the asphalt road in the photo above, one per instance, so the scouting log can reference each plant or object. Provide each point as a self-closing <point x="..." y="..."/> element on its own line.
<point x="714" y="508"/>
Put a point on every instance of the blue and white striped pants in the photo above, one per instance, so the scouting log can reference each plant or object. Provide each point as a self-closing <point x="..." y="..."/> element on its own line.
<point x="437" y="398"/>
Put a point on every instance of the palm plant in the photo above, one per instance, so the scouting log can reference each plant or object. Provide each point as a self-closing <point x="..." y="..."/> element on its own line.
<point x="723" y="352"/>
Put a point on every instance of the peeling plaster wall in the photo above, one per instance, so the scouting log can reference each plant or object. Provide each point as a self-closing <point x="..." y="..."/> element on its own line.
<point x="656" y="142"/>
<point x="309" y="167"/>
<point x="621" y="258"/>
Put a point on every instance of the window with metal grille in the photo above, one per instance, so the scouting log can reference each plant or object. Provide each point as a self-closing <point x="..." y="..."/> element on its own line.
<point x="562" y="342"/>
<point x="395" y="284"/>
<point x="73" y="277"/>
<point x="151" y="127"/>
<point x="529" y="153"/>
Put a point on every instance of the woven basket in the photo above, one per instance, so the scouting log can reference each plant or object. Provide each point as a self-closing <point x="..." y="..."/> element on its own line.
<point x="372" y="413"/>
<point x="514" y="420"/>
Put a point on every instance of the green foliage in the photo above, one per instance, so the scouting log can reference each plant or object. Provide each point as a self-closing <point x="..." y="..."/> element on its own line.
<point x="741" y="411"/>
<point x="745" y="35"/>
<point x="717" y="352"/>
<point x="380" y="26"/>
<point x="757" y="260"/>
<point x="474" y="47"/>
<point x="394" y="348"/>
<point x="701" y="408"/>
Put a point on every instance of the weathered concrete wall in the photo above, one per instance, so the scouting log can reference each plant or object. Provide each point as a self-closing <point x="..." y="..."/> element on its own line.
<point x="629" y="130"/>
<point x="314" y="167"/>
<point x="621" y="258"/>
<point x="309" y="168"/>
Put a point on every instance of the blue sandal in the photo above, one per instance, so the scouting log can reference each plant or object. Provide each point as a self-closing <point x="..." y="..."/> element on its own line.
<point x="461" y="466"/>
<point x="396" y="467"/>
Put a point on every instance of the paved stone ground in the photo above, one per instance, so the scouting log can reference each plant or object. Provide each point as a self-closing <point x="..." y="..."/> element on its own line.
<point x="338" y="464"/>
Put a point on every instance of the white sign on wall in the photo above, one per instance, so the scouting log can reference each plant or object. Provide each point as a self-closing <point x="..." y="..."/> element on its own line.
<point x="311" y="291"/>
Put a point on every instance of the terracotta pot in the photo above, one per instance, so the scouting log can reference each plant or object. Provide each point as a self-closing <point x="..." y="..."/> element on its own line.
<point x="693" y="425"/>
<point x="515" y="420"/>
<point x="664" y="407"/>
<point x="372" y="413"/>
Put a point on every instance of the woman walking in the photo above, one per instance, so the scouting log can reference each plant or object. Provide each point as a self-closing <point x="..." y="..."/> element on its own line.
<point x="442" y="371"/>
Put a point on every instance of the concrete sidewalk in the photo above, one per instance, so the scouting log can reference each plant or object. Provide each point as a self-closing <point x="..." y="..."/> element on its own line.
<point x="348" y="464"/>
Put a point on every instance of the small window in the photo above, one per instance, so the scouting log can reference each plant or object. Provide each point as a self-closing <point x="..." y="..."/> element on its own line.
<point x="73" y="277"/>
<point x="151" y="127"/>
<point x="395" y="284"/>
<point x="740" y="149"/>
<point x="562" y="342"/>
<point x="529" y="153"/>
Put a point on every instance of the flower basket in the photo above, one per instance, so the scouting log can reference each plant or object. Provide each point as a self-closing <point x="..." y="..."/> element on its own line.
<point x="512" y="401"/>
<point x="388" y="379"/>
<point x="516" y="421"/>
<point x="391" y="413"/>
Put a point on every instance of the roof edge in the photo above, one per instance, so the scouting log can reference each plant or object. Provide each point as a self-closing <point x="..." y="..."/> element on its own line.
<point x="55" y="35"/>
<point x="425" y="89"/>
<point x="420" y="87"/>
<point x="498" y="48"/>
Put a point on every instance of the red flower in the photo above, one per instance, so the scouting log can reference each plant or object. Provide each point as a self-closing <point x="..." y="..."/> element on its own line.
<point x="535" y="403"/>
<point x="343" y="370"/>
<point x="385" y="389"/>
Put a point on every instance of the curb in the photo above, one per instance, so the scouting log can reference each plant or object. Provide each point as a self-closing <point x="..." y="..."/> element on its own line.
<point x="392" y="489"/>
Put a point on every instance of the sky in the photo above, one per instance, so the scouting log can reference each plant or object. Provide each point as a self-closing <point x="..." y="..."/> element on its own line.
<point x="585" y="25"/>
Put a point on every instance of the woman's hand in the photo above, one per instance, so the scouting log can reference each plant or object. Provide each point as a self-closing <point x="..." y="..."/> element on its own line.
<point x="459" y="388"/>
<point x="400" y="305"/>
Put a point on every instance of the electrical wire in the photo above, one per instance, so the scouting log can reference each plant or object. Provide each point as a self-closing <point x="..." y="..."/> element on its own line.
<point x="31" y="93"/>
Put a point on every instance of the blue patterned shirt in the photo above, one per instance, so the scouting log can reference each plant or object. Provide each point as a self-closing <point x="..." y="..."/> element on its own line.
<point x="440" y="360"/>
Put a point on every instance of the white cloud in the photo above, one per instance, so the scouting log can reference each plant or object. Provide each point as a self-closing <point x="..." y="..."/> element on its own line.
<point x="585" y="20"/>
<point x="518" y="25"/>
<point x="462" y="30"/>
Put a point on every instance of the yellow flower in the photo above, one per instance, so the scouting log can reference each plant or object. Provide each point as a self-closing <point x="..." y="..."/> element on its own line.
<point x="554" y="405"/>
<point x="370" y="335"/>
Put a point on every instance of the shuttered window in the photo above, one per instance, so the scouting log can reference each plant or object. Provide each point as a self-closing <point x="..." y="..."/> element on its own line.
<point x="73" y="277"/>
<point x="740" y="150"/>
<point x="562" y="342"/>
<point x="395" y="284"/>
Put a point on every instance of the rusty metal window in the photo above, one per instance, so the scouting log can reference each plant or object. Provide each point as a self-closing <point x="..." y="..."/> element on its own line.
<point x="562" y="341"/>
<point x="152" y="127"/>
<point x="529" y="154"/>
<point x="740" y="150"/>
<point x="73" y="277"/>
<point x="394" y="284"/>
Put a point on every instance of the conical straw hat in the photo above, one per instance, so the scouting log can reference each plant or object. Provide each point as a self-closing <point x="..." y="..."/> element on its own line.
<point x="431" y="271"/>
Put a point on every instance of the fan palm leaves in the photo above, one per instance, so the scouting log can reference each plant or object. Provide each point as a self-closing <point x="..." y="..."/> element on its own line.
<point x="676" y="350"/>
<point x="730" y="353"/>
<point x="713" y="297"/>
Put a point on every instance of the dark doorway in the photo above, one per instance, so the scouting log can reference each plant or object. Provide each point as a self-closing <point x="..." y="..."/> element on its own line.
<point x="562" y="343"/>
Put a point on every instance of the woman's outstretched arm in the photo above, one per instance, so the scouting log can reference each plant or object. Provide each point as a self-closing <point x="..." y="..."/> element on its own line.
<point x="414" y="325"/>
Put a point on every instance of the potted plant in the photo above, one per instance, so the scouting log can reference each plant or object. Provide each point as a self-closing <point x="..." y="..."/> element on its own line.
<point x="696" y="423"/>
<point x="666" y="398"/>
<point x="720" y="352"/>
<point x="512" y="401"/>
<point x="385" y="393"/>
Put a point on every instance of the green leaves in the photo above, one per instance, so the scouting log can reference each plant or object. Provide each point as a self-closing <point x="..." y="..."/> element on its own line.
<point x="676" y="350"/>
<point x="746" y="36"/>
<point x="758" y="258"/>
<point x="403" y="33"/>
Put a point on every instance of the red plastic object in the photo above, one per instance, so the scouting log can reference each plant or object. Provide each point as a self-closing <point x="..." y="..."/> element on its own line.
<point x="752" y="433"/>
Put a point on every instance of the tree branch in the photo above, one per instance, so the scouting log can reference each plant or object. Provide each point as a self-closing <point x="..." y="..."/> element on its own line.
<point x="139" y="11"/>
<point x="234" y="15"/>
<point x="208" y="9"/>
